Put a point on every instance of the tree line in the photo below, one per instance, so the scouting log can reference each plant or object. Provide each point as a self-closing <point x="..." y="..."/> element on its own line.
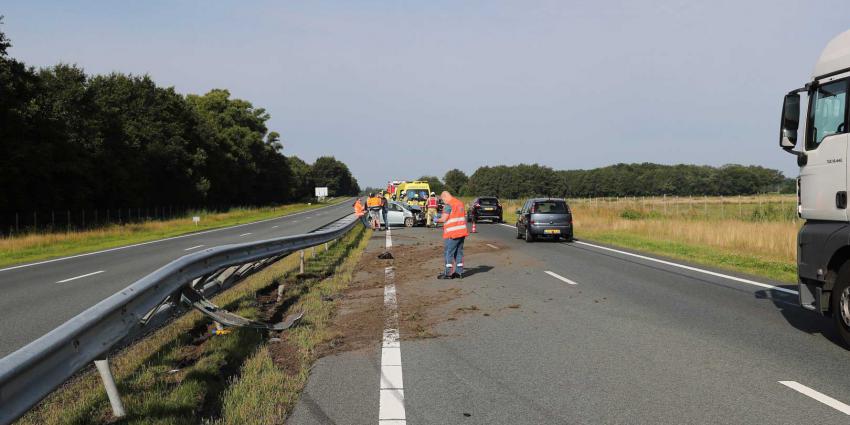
<point x="646" y="179"/>
<point x="72" y="140"/>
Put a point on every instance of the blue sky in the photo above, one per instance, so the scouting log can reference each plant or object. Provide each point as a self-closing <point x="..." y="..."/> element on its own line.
<point x="398" y="89"/>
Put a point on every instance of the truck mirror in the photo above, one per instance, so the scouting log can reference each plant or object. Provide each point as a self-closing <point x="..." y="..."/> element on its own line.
<point x="790" y="121"/>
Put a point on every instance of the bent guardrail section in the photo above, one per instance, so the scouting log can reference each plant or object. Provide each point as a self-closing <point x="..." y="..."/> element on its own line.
<point x="33" y="371"/>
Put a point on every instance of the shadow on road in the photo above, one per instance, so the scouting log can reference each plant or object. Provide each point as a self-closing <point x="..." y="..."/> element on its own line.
<point x="801" y="319"/>
<point x="477" y="269"/>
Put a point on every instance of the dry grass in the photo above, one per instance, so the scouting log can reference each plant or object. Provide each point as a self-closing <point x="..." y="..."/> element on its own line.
<point x="40" y="246"/>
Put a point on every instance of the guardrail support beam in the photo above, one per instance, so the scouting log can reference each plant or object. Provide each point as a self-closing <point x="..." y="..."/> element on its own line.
<point x="301" y="267"/>
<point x="111" y="389"/>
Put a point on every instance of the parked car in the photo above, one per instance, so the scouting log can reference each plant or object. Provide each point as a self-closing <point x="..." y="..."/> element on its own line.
<point x="399" y="214"/>
<point x="544" y="217"/>
<point x="485" y="208"/>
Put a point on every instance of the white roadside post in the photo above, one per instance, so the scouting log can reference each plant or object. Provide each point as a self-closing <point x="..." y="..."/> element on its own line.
<point x="196" y="220"/>
<point x="301" y="268"/>
<point x="111" y="389"/>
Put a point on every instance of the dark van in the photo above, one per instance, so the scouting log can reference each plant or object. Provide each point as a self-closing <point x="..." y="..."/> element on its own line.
<point x="544" y="217"/>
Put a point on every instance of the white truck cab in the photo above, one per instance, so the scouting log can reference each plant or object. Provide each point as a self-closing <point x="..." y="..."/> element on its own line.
<point x="823" y="244"/>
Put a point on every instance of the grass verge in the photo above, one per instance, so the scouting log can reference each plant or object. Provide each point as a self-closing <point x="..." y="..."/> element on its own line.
<point x="42" y="246"/>
<point x="779" y="270"/>
<point x="181" y="374"/>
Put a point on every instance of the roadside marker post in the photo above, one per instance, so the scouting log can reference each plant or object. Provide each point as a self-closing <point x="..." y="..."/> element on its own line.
<point x="301" y="267"/>
<point x="111" y="389"/>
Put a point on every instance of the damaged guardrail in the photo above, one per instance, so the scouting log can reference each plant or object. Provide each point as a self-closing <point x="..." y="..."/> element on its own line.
<point x="34" y="371"/>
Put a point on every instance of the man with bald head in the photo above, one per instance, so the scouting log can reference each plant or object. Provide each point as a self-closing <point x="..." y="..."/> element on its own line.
<point x="454" y="234"/>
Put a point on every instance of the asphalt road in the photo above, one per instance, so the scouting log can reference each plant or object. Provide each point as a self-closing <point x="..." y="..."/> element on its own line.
<point x="36" y="298"/>
<point x="574" y="333"/>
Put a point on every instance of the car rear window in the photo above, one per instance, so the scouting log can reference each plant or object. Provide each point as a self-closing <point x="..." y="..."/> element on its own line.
<point x="488" y="201"/>
<point x="550" y="207"/>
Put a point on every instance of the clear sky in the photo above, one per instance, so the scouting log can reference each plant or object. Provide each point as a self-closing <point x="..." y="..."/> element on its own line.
<point x="398" y="89"/>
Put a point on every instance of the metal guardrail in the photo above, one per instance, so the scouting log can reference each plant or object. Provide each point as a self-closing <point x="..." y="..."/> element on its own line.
<point x="34" y="371"/>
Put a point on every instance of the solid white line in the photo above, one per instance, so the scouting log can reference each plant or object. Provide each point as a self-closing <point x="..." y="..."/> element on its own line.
<point x="823" y="398"/>
<point x="275" y="227"/>
<point x="694" y="269"/>
<point x="161" y="240"/>
<point x="81" y="276"/>
<point x="492" y="246"/>
<point x="559" y="277"/>
<point x="245" y="234"/>
<point x="193" y="247"/>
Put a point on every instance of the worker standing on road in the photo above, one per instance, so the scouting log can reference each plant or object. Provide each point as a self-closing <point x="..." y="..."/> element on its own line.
<point x="454" y="234"/>
<point x="384" y="210"/>
<point x="374" y="206"/>
<point x="431" y="212"/>
<point x="360" y="212"/>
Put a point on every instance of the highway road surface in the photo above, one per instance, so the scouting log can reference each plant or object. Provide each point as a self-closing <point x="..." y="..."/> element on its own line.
<point x="35" y="298"/>
<point x="578" y="333"/>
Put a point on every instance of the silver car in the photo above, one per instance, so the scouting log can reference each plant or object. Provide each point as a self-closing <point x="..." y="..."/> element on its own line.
<point x="544" y="217"/>
<point x="399" y="214"/>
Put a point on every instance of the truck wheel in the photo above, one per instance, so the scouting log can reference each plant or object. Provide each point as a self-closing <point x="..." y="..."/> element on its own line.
<point x="528" y="236"/>
<point x="840" y="301"/>
<point x="408" y="222"/>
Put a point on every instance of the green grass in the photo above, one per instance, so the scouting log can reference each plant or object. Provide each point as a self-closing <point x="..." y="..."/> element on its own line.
<point x="43" y="246"/>
<point x="182" y="375"/>
<point x="708" y="256"/>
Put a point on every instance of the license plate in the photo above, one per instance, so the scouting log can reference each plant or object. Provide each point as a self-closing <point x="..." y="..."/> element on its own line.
<point x="552" y="231"/>
<point x="488" y="209"/>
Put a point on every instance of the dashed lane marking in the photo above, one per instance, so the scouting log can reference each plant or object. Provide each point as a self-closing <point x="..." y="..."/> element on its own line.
<point x="821" y="397"/>
<point x="81" y="276"/>
<point x="192" y="247"/>
<point x="391" y="401"/>
<point x="559" y="277"/>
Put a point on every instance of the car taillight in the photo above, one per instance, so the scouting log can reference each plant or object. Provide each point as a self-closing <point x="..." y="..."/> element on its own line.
<point x="531" y="221"/>
<point x="477" y="205"/>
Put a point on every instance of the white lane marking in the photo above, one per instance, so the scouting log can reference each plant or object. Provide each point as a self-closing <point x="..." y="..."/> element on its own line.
<point x="559" y="277"/>
<point x="391" y="390"/>
<point x="245" y="234"/>
<point x="161" y="240"/>
<point x="694" y="269"/>
<point x="192" y="247"/>
<point x="492" y="246"/>
<point x="81" y="276"/>
<point x="275" y="227"/>
<point x="821" y="397"/>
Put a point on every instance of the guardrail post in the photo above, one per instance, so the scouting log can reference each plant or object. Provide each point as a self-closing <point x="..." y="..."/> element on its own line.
<point x="326" y="246"/>
<point x="280" y="289"/>
<point x="301" y="268"/>
<point x="313" y="251"/>
<point x="111" y="389"/>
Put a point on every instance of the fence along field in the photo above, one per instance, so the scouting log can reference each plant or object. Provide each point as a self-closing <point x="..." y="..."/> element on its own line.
<point x="752" y="234"/>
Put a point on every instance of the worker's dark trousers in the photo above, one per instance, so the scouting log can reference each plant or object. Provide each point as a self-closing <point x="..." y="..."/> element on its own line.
<point x="453" y="250"/>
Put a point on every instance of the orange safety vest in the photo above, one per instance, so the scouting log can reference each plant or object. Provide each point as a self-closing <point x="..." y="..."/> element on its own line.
<point x="455" y="226"/>
<point x="373" y="202"/>
<point x="432" y="202"/>
<point x="358" y="208"/>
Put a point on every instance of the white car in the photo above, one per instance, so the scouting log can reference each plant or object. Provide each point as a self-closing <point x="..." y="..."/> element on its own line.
<point x="399" y="214"/>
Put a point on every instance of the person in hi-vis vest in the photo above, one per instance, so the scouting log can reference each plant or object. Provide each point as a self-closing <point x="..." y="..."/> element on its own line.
<point x="454" y="234"/>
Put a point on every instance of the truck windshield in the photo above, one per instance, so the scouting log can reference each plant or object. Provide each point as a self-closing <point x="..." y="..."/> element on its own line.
<point x="829" y="105"/>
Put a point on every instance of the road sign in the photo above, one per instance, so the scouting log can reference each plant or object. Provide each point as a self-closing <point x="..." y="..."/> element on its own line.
<point x="321" y="192"/>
